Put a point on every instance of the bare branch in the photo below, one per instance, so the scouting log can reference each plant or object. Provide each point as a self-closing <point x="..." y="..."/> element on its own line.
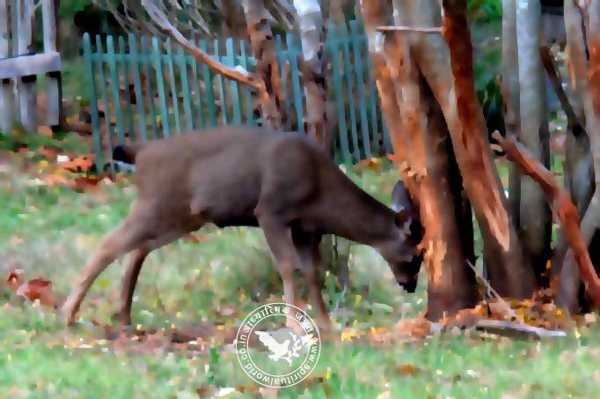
<point x="238" y="73"/>
<point x="563" y="207"/>
<point x="419" y="29"/>
<point x="574" y="123"/>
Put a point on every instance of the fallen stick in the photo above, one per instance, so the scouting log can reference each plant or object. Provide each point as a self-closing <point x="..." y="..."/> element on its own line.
<point x="509" y="328"/>
<point x="563" y="208"/>
<point x="505" y="305"/>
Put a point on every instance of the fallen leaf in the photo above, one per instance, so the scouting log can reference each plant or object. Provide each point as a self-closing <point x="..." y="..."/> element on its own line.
<point x="80" y="164"/>
<point x="350" y="334"/>
<point x="419" y="327"/>
<point x="407" y="369"/>
<point x="15" y="279"/>
<point x="38" y="289"/>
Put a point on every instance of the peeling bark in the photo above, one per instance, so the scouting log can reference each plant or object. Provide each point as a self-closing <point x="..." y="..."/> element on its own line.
<point x="262" y="42"/>
<point x="415" y="121"/>
<point x="233" y="18"/>
<point x="563" y="207"/>
<point x="312" y="34"/>
<point x="453" y="87"/>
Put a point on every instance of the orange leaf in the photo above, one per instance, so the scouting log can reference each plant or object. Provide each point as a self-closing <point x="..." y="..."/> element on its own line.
<point x="80" y="164"/>
<point x="415" y="328"/>
<point x="38" y="289"/>
<point x="83" y="183"/>
<point x="15" y="279"/>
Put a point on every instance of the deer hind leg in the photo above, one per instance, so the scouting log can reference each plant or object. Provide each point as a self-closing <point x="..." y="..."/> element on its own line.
<point x="123" y="315"/>
<point x="123" y="239"/>
<point x="307" y="246"/>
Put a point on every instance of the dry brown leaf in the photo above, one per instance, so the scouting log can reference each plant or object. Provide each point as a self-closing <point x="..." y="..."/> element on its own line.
<point x="15" y="279"/>
<point x="419" y="327"/>
<point x="407" y="369"/>
<point x="80" y="164"/>
<point x="38" y="289"/>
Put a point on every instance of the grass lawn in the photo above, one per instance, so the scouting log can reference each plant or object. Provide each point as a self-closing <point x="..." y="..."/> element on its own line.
<point x="211" y="285"/>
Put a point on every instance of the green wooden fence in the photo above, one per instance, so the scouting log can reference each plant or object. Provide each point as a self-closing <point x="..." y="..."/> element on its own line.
<point x="141" y="88"/>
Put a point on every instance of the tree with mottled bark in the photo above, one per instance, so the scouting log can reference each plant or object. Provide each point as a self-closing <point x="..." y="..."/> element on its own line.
<point x="415" y="121"/>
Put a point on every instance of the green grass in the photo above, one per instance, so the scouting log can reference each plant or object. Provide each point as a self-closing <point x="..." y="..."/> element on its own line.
<point x="50" y="232"/>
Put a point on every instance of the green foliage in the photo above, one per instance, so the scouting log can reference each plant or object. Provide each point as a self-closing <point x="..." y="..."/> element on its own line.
<point x="485" y="10"/>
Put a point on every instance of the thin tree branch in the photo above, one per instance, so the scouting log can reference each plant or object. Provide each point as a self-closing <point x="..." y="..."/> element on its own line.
<point x="575" y="124"/>
<point x="239" y="74"/>
<point x="563" y="207"/>
<point x="420" y="29"/>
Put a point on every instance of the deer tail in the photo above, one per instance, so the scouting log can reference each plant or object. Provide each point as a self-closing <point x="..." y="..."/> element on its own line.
<point x="126" y="153"/>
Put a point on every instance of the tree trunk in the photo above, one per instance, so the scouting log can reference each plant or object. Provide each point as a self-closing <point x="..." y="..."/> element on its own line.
<point x="233" y="18"/>
<point x="414" y="121"/>
<point x="263" y="47"/>
<point x="569" y="277"/>
<point x="336" y="11"/>
<point x="535" y="217"/>
<point x="578" y="158"/>
<point x="449" y="71"/>
<point x="312" y="34"/>
<point x="511" y="99"/>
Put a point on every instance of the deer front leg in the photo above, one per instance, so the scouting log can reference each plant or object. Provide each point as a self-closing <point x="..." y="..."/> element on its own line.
<point x="310" y="260"/>
<point x="282" y="248"/>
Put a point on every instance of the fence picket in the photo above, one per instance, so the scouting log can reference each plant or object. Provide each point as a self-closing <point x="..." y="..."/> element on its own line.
<point x="104" y="96"/>
<point x="185" y="88"/>
<point x="294" y="54"/>
<point x="333" y="45"/>
<point x="160" y="84"/>
<point x="221" y="85"/>
<point x="89" y="65"/>
<point x="209" y="88"/>
<point x="360" y="85"/>
<point x="235" y="92"/>
<point x="146" y="57"/>
<point x="248" y="103"/>
<point x="350" y="92"/>
<point x="282" y="60"/>
<point x="197" y="95"/>
<point x="373" y="108"/>
<point x="173" y="85"/>
<point x="137" y="86"/>
<point x="115" y="86"/>
<point x="129" y="115"/>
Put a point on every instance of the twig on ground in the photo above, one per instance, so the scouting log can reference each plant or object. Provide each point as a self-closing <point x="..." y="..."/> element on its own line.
<point x="508" y="309"/>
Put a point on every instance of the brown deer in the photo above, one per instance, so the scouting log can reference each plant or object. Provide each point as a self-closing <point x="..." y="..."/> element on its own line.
<point x="281" y="182"/>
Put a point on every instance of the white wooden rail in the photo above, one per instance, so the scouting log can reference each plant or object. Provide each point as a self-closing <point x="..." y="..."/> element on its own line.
<point x="20" y="65"/>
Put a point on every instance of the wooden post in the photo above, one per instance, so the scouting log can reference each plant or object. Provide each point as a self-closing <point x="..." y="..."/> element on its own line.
<point x="55" y="115"/>
<point x="27" y="96"/>
<point x="6" y="93"/>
